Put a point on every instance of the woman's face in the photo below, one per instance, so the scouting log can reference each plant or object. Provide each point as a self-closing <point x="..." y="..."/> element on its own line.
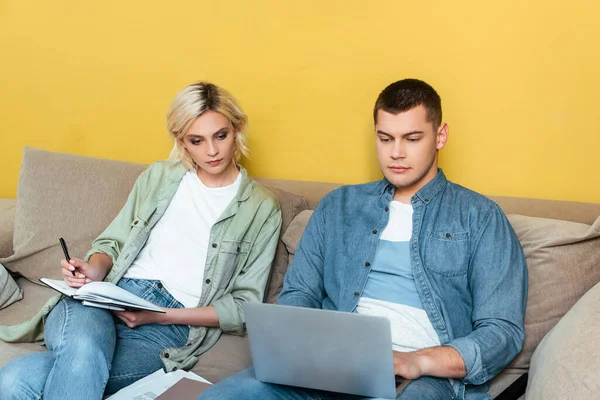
<point x="210" y="142"/>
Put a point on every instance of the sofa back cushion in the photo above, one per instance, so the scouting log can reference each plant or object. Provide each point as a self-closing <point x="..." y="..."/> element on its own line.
<point x="64" y="195"/>
<point x="291" y="204"/>
<point x="293" y="234"/>
<point x="563" y="259"/>
<point x="7" y="221"/>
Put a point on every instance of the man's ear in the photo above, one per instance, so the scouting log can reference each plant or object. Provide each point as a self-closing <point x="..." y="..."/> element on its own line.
<point x="442" y="136"/>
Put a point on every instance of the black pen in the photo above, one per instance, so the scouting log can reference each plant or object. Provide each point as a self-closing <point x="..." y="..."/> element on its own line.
<point x="64" y="247"/>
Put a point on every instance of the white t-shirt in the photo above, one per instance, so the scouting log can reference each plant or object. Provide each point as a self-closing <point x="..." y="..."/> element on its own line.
<point x="176" y="250"/>
<point x="391" y="291"/>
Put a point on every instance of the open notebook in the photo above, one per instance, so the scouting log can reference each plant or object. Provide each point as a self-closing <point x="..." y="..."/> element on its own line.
<point x="103" y="295"/>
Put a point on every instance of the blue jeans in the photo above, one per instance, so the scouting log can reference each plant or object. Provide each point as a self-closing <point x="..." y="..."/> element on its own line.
<point x="91" y="352"/>
<point x="243" y="385"/>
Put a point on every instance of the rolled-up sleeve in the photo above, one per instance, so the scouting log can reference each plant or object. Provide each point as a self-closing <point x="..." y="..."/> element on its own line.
<point x="498" y="281"/>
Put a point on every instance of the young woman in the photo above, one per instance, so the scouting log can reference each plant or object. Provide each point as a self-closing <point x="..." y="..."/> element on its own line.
<point x="196" y="236"/>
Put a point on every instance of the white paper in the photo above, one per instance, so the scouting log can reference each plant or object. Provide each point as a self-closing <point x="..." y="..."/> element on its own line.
<point x="102" y="292"/>
<point x="61" y="286"/>
<point x="154" y="385"/>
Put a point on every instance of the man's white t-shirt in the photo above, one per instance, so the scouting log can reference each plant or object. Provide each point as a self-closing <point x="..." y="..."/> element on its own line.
<point x="390" y="290"/>
<point x="176" y="250"/>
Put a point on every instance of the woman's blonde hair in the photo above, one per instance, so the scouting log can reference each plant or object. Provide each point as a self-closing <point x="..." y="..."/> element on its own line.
<point x="193" y="101"/>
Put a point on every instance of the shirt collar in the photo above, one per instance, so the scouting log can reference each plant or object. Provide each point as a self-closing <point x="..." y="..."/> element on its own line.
<point x="425" y="194"/>
<point x="244" y="191"/>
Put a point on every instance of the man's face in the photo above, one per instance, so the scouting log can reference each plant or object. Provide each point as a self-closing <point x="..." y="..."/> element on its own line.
<point x="407" y="147"/>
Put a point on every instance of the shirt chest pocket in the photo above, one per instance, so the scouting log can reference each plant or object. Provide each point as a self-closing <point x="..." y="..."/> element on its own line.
<point x="447" y="253"/>
<point x="232" y="253"/>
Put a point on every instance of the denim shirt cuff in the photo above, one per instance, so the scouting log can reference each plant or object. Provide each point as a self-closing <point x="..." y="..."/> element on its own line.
<point x="470" y="352"/>
<point x="295" y="301"/>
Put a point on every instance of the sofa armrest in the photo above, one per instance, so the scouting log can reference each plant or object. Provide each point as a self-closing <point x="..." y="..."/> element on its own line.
<point x="7" y="221"/>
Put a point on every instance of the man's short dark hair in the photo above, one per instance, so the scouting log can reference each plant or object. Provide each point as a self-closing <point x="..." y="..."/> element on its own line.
<point x="406" y="94"/>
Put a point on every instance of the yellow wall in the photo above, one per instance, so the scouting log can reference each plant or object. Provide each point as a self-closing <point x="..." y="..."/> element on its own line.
<point x="518" y="80"/>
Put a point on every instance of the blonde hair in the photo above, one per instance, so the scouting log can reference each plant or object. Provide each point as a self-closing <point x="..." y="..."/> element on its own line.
<point x="193" y="101"/>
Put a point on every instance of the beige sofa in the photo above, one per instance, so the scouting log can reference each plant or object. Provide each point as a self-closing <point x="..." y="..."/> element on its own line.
<point x="76" y="197"/>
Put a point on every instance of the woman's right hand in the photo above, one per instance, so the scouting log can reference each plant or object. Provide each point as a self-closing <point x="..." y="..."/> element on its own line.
<point x="84" y="272"/>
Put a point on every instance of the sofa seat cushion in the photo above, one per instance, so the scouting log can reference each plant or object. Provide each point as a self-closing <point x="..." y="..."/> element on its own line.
<point x="34" y="297"/>
<point x="565" y="365"/>
<point x="231" y="354"/>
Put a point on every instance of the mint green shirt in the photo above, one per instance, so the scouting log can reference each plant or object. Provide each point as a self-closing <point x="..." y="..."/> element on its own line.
<point x="238" y="262"/>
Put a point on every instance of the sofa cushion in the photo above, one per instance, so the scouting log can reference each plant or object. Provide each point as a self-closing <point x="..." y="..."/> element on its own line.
<point x="34" y="297"/>
<point x="7" y="223"/>
<point x="291" y="204"/>
<point x="565" y="365"/>
<point x="563" y="259"/>
<point x="293" y="234"/>
<point x="9" y="290"/>
<point x="63" y="195"/>
<point x="229" y="355"/>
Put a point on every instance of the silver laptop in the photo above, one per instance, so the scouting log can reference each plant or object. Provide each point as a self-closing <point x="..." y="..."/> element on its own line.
<point x="319" y="349"/>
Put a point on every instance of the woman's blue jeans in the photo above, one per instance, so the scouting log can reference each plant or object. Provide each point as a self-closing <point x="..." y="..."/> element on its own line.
<point x="91" y="352"/>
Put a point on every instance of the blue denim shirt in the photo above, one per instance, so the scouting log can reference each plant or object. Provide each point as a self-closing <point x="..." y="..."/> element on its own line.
<point x="468" y="265"/>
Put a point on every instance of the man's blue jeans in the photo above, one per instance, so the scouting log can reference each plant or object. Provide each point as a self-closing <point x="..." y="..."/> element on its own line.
<point x="91" y="352"/>
<point x="244" y="386"/>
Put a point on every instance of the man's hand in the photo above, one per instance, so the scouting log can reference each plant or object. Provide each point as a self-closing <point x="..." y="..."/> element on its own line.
<point x="440" y="361"/>
<point x="408" y="365"/>
<point x="137" y="318"/>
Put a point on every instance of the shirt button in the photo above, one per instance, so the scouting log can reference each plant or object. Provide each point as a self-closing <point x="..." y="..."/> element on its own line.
<point x="188" y="344"/>
<point x="174" y="369"/>
<point x="367" y="264"/>
<point x="214" y="245"/>
<point x="159" y="285"/>
<point x="135" y="222"/>
<point x="207" y="281"/>
<point x="448" y="235"/>
<point x="387" y="209"/>
<point x="356" y="294"/>
<point x="374" y="231"/>
<point x="426" y="200"/>
<point x="167" y="355"/>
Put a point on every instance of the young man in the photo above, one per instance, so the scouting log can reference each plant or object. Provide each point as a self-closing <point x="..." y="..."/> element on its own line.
<point x="440" y="261"/>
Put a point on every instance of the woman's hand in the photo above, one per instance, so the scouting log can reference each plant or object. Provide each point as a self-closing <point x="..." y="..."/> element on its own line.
<point x="137" y="318"/>
<point x="85" y="272"/>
